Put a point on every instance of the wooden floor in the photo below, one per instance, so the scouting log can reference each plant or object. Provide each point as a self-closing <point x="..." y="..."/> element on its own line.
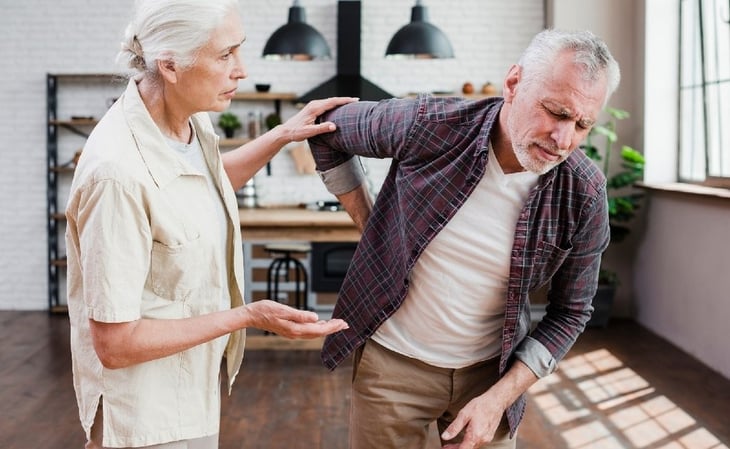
<point x="620" y="387"/>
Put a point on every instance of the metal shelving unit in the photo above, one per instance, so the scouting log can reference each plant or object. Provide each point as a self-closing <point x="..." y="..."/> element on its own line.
<point x="55" y="170"/>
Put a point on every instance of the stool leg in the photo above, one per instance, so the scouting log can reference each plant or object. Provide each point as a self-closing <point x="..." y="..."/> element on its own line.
<point x="306" y="288"/>
<point x="301" y="284"/>
<point x="277" y="276"/>
<point x="301" y="296"/>
<point x="287" y="277"/>
<point x="270" y="279"/>
<point x="297" y="299"/>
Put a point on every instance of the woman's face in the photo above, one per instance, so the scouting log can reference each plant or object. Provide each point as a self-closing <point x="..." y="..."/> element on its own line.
<point x="210" y="83"/>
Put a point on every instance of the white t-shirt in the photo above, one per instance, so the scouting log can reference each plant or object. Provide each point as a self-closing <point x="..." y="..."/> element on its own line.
<point x="453" y="314"/>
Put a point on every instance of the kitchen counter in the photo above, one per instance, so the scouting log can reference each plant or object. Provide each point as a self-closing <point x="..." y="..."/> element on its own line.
<point x="297" y="224"/>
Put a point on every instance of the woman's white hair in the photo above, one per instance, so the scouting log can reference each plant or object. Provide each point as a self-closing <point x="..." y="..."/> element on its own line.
<point x="590" y="52"/>
<point x="170" y="30"/>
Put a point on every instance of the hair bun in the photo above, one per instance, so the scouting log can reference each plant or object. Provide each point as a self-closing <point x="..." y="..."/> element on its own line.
<point x="134" y="54"/>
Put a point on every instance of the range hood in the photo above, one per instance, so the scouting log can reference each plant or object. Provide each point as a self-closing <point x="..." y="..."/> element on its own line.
<point x="347" y="82"/>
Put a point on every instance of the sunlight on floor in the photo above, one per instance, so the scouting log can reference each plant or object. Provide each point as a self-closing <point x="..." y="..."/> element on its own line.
<point x="633" y="415"/>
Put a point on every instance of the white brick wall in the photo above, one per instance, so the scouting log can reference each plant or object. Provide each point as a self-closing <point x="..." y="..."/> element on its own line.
<point x="43" y="36"/>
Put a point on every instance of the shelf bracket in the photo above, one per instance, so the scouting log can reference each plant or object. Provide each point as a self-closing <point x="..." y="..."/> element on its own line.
<point x="75" y="130"/>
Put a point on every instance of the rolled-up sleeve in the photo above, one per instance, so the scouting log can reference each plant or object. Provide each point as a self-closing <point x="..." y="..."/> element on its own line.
<point x="345" y="177"/>
<point x="536" y="356"/>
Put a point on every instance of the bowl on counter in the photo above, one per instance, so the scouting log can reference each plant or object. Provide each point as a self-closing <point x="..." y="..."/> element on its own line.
<point x="262" y="87"/>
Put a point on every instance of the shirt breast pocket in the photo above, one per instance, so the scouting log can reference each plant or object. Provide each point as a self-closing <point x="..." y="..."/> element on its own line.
<point x="548" y="258"/>
<point x="177" y="270"/>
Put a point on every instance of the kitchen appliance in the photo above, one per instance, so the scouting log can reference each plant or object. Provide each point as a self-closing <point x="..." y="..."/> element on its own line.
<point x="330" y="262"/>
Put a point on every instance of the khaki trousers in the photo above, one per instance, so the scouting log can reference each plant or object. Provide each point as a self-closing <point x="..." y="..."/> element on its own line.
<point x="395" y="399"/>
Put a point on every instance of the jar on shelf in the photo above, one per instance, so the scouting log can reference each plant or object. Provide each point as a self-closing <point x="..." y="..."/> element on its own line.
<point x="255" y="123"/>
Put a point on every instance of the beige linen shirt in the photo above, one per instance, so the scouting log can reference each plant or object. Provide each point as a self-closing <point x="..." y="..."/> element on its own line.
<point x="143" y="242"/>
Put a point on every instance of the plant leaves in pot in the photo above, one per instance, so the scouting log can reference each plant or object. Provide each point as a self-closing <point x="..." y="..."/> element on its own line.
<point x="229" y="123"/>
<point x="623" y="202"/>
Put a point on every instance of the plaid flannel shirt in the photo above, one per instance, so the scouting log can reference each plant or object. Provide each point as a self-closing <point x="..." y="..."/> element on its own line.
<point x="439" y="150"/>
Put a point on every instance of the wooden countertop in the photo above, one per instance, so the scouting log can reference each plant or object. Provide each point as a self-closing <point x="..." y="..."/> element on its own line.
<point x="297" y="224"/>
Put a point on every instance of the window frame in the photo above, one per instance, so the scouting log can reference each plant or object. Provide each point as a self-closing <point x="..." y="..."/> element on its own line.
<point x="700" y="113"/>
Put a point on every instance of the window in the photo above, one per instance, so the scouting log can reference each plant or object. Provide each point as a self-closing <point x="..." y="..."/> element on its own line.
<point x="704" y="86"/>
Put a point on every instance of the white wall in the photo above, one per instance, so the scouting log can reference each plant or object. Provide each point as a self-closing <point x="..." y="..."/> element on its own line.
<point x="683" y="264"/>
<point x="43" y="36"/>
<point x="682" y="287"/>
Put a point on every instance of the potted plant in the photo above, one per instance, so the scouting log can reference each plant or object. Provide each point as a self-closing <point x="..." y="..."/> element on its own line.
<point x="623" y="203"/>
<point x="272" y="120"/>
<point x="229" y="123"/>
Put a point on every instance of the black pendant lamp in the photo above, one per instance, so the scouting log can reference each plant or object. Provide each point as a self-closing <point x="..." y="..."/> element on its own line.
<point x="296" y="40"/>
<point x="419" y="39"/>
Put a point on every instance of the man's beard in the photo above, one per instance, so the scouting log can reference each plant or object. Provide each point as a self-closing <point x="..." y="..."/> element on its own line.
<point x="526" y="158"/>
<point x="531" y="163"/>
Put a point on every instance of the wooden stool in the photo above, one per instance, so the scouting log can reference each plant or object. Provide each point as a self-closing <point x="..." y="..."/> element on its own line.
<point x="283" y="260"/>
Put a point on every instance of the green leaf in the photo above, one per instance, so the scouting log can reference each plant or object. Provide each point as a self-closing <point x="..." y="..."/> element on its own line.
<point x="229" y="120"/>
<point x="605" y="131"/>
<point x="618" y="114"/>
<point x="637" y="168"/>
<point x="630" y="155"/>
<point x="607" y="277"/>
<point x="623" y="179"/>
<point x="592" y="152"/>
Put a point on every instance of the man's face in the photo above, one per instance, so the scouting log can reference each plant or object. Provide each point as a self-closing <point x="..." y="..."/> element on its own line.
<point x="550" y="117"/>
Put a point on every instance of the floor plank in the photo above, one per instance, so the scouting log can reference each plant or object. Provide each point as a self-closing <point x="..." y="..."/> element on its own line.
<point x="620" y="387"/>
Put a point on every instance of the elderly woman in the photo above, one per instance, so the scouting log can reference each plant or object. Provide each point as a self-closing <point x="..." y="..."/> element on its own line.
<point x="155" y="269"/>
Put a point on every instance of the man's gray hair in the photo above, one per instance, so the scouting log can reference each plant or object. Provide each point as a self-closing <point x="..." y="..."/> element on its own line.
<point x="590" y="52"/>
